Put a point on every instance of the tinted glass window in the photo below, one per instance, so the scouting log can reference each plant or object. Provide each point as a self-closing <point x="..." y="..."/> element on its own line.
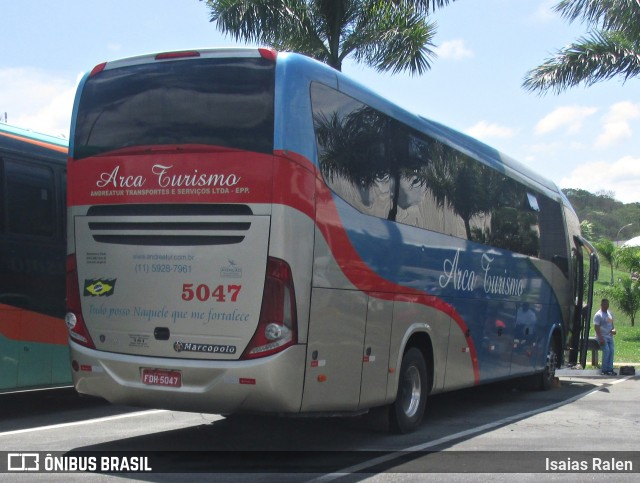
<point x="389" y="170"/>
<point x="3" y="186"/>
<point x="353" y="152"/>
<point x="29" y="199"/>
<point x="554" y="244"/>
<point x="220" y="102"/>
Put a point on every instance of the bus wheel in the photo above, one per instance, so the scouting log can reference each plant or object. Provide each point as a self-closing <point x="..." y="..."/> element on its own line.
<point x="406" y="412"/>
<point x="545" y="381"/>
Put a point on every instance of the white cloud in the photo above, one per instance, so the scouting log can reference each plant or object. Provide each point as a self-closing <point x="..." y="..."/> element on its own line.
<point x="453" y="49"/>
<point x="484" y="130"/>
<point x="621" y="176"/>
<point x="114" y="47"/>
<point x="37" y="100"/>
<point x="615" y="125"/>
<point x="553" y="148"/>
<point x="545" y="11"/>
<point x="568" y="117"/>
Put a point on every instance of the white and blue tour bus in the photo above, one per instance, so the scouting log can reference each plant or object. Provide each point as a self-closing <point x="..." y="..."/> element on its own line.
<point x="254" y="232"/>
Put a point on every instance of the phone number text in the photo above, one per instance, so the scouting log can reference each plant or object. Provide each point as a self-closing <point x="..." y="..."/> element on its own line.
<point x="162" y="268"/>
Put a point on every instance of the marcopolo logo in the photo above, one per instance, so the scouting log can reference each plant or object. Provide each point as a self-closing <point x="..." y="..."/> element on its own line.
<point x="207" y="348"/>
<point x="99" y="287"/>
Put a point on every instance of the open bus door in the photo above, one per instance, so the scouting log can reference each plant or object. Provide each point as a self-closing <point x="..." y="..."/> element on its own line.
<point x="582" y="314"/>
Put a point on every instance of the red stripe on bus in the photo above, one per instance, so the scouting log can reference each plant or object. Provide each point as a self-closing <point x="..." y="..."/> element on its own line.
<point x="27" y="326"/>
<point x="158" y="178"/>
<point x="114" y="180"/>
<point x="42" y="144"/>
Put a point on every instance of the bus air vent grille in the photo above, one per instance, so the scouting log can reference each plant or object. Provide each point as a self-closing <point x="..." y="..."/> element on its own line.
<point x="169" y="225"/>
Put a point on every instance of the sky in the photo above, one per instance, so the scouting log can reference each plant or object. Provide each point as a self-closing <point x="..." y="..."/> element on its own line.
<point x="584" y="138"/>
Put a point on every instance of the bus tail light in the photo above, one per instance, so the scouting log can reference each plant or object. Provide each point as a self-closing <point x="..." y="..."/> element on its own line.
<point x="74" y="320"/>
<point x="268" y="54"/>
<point x="97" y="69"/>
<point x="177" y="55"/>
<point x="278" y="325"/>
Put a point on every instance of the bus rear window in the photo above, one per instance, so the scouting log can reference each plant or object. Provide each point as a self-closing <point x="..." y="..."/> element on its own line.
<point x="220" y="102"/>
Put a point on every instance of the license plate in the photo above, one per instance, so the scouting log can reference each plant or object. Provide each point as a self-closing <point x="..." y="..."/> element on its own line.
<point x="161" y="377"/>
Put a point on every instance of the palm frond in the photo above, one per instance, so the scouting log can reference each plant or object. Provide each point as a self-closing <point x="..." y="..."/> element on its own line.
<point x="423" y="5"/>
<point x="390" y="35"/>
<point x="272" y="23"/>
<point x="613" y="15"/>
<point x="392" y="39"/>
<point x="592" y="59"/>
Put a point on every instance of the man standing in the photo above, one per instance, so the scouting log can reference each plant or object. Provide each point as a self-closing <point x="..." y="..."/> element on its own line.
<point x="603" y="324"/>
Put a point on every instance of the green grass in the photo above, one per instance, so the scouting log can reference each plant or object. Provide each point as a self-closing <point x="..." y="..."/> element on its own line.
<point x="627" y="339"/>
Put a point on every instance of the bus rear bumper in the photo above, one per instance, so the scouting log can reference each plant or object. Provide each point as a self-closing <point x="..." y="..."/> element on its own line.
<point x="272" y="384"/>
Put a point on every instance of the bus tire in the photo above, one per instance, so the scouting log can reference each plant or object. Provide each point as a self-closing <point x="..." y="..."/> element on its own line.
<point x="405" y="414"/>
<point x="546" y="378"/>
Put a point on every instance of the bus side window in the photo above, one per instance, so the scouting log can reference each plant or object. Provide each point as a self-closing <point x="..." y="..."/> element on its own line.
<point x="62" y="193"/>
<point x="553" y="236"/>
<point x="3" y="190"/>
<point x="29" y="199"/>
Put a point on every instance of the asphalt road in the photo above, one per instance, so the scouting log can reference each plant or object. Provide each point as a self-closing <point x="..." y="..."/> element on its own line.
<point x="584" y="427"/>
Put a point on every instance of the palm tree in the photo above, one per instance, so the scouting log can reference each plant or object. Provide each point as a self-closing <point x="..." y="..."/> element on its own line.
<point x="607" y="250"/>
<point x="627" y="296"/>
<point x="611" y="49"/>
<point x="386" y="35"/>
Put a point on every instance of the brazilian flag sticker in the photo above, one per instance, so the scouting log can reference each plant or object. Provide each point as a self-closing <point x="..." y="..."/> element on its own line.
<point x="99" y="287"/>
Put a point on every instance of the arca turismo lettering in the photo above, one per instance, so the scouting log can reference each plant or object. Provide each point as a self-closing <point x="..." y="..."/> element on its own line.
<point x="465" y="279"/>
<point x="166" y="179"/>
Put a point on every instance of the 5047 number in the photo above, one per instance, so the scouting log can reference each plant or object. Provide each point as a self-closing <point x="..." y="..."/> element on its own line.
<point x="203" y="292"/>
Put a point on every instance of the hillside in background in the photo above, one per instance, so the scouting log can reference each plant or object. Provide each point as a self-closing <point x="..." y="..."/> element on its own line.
<point x="606" y="215"/>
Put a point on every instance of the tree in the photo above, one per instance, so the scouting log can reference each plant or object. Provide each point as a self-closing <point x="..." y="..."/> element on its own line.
<point x="611" y="48"/>
<point x="607" y="249"/>
<point x="390" y="36"/>
<point x="627" y="296"/>
<point x="586" y="228"/>
<point x="629" y="257"/>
